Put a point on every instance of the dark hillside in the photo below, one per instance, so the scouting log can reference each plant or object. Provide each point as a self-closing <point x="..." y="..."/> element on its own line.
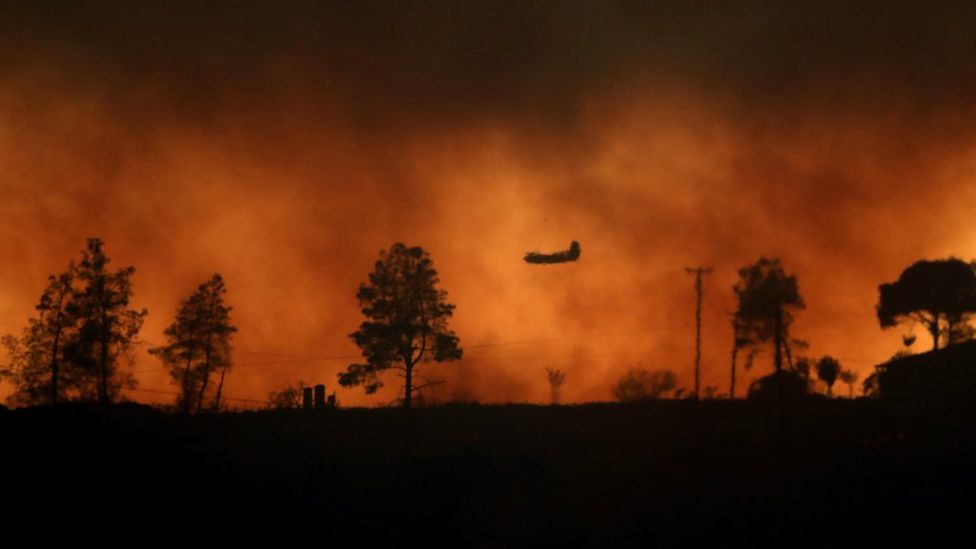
<point x="671" y="472"/>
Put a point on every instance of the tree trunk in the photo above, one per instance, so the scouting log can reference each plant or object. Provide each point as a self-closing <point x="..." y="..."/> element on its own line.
<point x="54" y="381"/>
<point x="208" y="353"/>
<point x="409" y="361"/>
<point x="698" y="304"/>
<point x="103" y="370"/>
<point x="206" y="380"/>
<point x="735" y="352"/>
<point x="187" y="398"/>
<point x="934" y="330"/>
<point x="409" y="386"/>
<point x="778" y="337"/>
<point x="54" y="360"/>
<point x="220" y="388"/>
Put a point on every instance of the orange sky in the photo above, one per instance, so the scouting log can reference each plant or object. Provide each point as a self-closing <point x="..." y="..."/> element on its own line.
<point x="285" y="150"/>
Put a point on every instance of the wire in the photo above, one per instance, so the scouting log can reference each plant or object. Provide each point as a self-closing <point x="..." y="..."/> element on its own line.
<point x="174" y="393"/>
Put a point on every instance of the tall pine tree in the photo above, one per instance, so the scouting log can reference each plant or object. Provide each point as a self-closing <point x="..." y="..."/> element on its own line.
<point x="71" y="349"/>
<point x="36" y="357"/>
<point x="106" y="326"/>
<point x="406" y="322"/>
<point x="198" y="344"/>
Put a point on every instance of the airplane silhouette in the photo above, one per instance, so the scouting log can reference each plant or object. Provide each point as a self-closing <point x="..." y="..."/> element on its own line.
<point x="565" y="256"/>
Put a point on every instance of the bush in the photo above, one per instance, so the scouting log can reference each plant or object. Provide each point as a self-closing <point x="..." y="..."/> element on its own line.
<point x="787" y="384"/>
<point x="639" y="385"/>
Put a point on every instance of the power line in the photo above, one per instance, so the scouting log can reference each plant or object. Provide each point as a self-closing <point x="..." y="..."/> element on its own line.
<point x="531" y="357"/>
<point x="524" y="358"/>
<point x="174" y="393"/>
<point x="300" y="360"/>
<point x="570" y="338"/>
<point x="285" y="355"/>
<point x="269" y="362"/>
<point x="305" y="358"/>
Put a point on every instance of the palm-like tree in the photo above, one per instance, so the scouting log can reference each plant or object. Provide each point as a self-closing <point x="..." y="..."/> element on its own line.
<point x="849" y="377"/>
<point x="828" y="368"/>
<point x="556" y="379"/>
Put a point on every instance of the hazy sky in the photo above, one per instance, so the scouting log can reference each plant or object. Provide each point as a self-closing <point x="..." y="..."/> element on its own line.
<point x="283" y="144"/>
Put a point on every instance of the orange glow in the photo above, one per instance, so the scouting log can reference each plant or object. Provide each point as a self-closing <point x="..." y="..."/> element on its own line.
<point x="291" y="197"/>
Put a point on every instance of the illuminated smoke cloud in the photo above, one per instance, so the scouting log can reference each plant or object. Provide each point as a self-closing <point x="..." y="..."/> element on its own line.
<point x="289" y="147"/>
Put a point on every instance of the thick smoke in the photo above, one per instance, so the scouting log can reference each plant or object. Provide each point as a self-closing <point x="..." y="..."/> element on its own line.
<point x="285" y="146"/>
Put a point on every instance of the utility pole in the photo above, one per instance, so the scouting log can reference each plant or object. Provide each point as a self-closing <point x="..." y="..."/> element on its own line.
<point x="698" y="272"/>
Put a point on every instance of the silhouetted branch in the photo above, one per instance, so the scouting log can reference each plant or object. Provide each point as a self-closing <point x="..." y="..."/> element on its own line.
<point x="419" y="387"/>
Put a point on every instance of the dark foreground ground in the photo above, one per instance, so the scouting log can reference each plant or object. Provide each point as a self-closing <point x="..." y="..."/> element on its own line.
<point x="666" y="473"/>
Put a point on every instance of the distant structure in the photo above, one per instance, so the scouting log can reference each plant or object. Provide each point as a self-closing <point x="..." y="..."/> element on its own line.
<point x="698" y="272"/>
<point x="319" y="396"/>
<point x="945" y="376"/>
<point x="314" y="398"/>
<point x="565" y="256"/>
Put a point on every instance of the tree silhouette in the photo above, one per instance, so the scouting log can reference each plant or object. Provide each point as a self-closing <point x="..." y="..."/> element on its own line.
<point x="639" y="385"/>
<point x="939" y="294"/>
<point x="766" y="298"/>
<point x="736" y="345"/>
<point x="804" y="368"/>
<point x="288" y="398"/>
<point x="106" y="327"/>
<point x="958" y="329"/>
<point x="70" y="350"/>
<point x="556" y="379"/>
<point x="198" y="343"/>
<point x="849" y="378"/>
<point x="779" y="386"/>
<point x="406" y="321"/>
<point x="870" y="386"/>
<point x="741" y="339"/>
<point x="36" y="367"/>
<point x="828" y="368"/>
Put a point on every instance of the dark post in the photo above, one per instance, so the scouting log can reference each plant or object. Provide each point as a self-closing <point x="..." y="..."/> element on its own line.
<point x="307" y="398"/>
<point x="319" y="396"/>
<point x="698" y="272"/>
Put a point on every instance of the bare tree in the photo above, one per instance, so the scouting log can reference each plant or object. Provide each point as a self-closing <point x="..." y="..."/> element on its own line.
<point x="639" y="384"/>
<point x="556" y="379"/>
<point x="849" y="378"/>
